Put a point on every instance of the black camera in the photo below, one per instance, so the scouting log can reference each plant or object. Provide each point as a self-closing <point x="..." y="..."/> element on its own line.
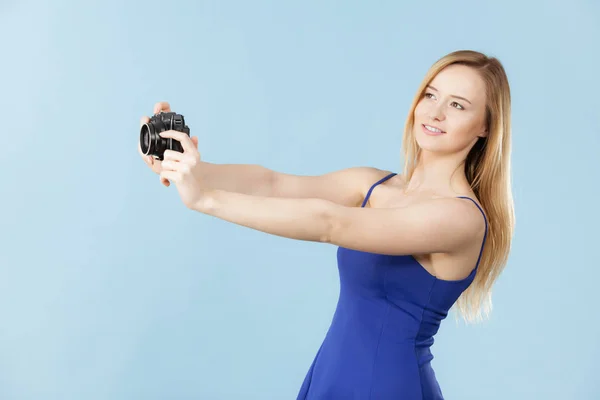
<point x="152" y="143"/>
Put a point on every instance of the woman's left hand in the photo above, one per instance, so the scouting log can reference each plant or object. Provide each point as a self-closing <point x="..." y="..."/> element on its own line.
<point x="183" y="169"/>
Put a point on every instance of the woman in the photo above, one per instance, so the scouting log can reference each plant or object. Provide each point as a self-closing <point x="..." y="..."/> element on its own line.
<point x="410" y="246"/>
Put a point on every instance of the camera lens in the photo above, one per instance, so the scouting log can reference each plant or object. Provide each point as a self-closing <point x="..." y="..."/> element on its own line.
<point x="146" y="138"/>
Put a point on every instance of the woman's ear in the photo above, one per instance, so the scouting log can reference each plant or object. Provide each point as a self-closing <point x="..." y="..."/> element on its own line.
<point x="484" y="131"/>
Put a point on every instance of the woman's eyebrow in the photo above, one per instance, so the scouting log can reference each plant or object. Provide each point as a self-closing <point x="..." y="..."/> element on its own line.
<point x="458" y="97"/>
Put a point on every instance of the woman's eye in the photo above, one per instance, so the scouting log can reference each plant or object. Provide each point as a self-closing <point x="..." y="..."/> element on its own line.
<point x="453" y="104"/>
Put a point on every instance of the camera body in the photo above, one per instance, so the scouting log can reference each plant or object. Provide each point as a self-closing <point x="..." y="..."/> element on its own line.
<point x="152" y="144"/>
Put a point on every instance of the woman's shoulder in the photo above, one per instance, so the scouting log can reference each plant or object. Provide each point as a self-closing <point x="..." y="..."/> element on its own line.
<point x="375" y="174"/>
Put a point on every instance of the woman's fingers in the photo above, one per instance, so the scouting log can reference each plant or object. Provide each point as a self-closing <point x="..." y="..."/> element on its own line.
<point x="173" y="155"/>
<point x="181" y="162"/>
<point x="180" y="166"/>
<point x="186" y="142"/>
<point x="172" y="176"/>
<point x="162" y="106"/>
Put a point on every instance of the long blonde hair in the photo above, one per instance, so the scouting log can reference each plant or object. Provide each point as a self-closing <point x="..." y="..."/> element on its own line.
<point x="487" y="168"/>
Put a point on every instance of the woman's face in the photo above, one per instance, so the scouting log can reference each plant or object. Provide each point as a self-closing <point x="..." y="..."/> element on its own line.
<point x="450" y="116"/>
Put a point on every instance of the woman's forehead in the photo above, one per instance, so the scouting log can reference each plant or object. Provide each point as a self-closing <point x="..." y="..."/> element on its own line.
<point x="460" y="80"/>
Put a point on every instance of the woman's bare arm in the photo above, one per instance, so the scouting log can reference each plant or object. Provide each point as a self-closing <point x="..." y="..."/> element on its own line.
<point x="345" y="187"/>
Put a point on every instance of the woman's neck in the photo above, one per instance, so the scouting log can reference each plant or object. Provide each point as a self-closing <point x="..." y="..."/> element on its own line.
<point x="438" y="174"/>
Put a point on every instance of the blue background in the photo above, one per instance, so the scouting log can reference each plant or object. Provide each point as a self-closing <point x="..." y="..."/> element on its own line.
<point x="111" y="289"/>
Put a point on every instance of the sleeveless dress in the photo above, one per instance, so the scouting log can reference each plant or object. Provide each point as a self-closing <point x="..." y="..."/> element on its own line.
<point x="378" y="344"/>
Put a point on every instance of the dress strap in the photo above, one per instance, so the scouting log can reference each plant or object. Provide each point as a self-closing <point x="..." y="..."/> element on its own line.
<point x="373" y="187"/>
<point x="486" y="228"/>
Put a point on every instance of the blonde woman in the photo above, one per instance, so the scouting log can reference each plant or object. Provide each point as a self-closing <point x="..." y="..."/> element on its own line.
<point x="410" y="246"/>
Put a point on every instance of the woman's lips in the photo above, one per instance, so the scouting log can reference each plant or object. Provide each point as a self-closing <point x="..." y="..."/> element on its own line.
<point x="431" y="133"/>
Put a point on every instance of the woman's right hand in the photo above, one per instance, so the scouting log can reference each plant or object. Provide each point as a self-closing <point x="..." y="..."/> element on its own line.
<point x="154" y="164"/>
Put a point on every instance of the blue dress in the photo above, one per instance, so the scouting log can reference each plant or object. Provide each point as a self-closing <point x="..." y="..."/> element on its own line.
<point x="378" y="344"/>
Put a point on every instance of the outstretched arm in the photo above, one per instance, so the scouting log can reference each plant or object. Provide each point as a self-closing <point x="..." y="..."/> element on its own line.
<point x="302" y="219"/>
<point x="441" y="225"/>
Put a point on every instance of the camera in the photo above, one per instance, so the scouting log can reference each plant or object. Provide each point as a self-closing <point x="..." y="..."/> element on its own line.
<point x="152" y="143"/>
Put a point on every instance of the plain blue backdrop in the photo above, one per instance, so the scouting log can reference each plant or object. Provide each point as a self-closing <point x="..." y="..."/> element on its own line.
<point x="111" y="289"/>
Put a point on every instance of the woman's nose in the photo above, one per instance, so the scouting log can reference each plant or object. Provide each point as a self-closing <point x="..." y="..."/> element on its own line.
<point x="436" y="112"/>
